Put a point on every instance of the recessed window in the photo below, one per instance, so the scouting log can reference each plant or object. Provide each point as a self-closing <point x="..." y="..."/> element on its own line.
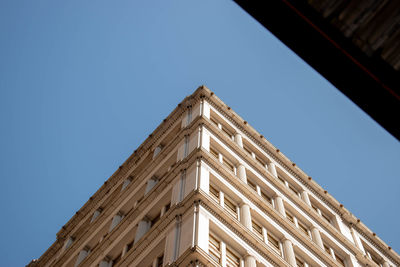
<point x="228" y="164"/>
<point x="247" y="150"/>
<point x="302" y="227"/>
<point x="339" y="260"/>
<point x="252" y="185"/>
<point x="160" y="260"/>
<point x="214" y="193"/>
<point x="294" y="190"/>
<point x="260" y="161"/>
<point x="230" y="207"/>
<point x="273" y="242"/>
<point x="299" y="262"/>
<point x="214" y="248"/>
<point x="232" y="259"/>
<point x="214" y="152"/>
<point x="289" y="217"/>
<point x="266" y="197"/>
<point x="256" y="228"/>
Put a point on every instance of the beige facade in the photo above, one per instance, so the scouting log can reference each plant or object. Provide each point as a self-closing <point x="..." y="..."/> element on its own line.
<point x="205" y="189"/>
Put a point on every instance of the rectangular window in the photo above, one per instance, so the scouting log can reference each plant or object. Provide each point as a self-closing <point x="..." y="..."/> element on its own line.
<point x="299" y="263"/>
<point x="289" y="217"/>
<point x="293" y="190"/>
<point x="282" y="180"/>
<point x="252" y="185"/>
<point x="214" y="193"/>
<point x="273" y="242"/>
<point x="228" y="164"/>
<point x="327" y="249"/>
<point x="230" y="207"/>
<point x="232" y="260"/>
<point x="214" y="248"/>
<point x="247" y="150"/>
<point x="340" y="260"/>
<point x="260" y="161"/>
<point x="266" y="197"/>
<point x="156" y="219"/>
<point x="214" y="152"/>
<point x="160" y="260"/>
<point x="214" y="121"/>
<point x="326" y="217"/>
<point x="302" y="227"/>
<point x="227" y="132"/>
<point x="314" y="208"/>
<point x="256" y="228"/>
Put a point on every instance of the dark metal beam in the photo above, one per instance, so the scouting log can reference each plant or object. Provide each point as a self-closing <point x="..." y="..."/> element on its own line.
<point x="369" y="82"/>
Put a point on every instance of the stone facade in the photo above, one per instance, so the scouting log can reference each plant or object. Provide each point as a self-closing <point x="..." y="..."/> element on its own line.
<point x="205" y="189"/>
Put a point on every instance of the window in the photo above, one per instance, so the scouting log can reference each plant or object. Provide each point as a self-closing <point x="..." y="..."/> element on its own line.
<point x="256" y="228"/>
<point x="228" y="164"/>
<point x="289" y="217"/>
<point x="160" y="260"/>
<point x="339" y="260"/>
<point x="227" y="132"/>
<point x="214" y="193"/>
<point x="266" y="197"/>
<point x="252" y="185"/>
<point x="155" y="219"/>
<point x="293" y="189"/>
<point x="325" y="217"/>
<point x="299" y="263"/>
<point x="260" y="161"/>
<point x="374" y="258"/>
<point x="302" y="227"/>
<point x="323" y="214"/>
<point x="327" y="249"/>
<point x="214" y="248"/>
<point x="247" y="150"/>
<point x="282" y="180"/>
<point x="214" y="121"/>
<point x="214" y="152"/>
<point x="273" y="242"/>
<point x="232" y="260"/>
<point x="230" y="207"/>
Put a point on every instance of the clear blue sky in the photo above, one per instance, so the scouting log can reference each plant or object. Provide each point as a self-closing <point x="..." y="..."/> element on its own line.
<point x="83" y="83"/>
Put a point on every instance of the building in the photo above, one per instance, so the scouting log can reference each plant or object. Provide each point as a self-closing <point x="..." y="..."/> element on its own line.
<point x="205" y="189"/>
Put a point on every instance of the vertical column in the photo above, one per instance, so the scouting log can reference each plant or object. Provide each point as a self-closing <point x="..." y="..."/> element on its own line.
<point x="143" y="226"/>
<point x="250" y="261"/>
<point x="82" y="255"/>
<point x="279" y="205"/>
<point x="241" y="171"/>
<point x="238" y="140"/>
<point x="316" y="237"/>
<point x="289" y="253"/>
<point x="150" y="184"/>
<point x="245" y="216"/>
<point x="272" y="169"/>
<point x="223" y="254"/>
<point x="306" y="198"/>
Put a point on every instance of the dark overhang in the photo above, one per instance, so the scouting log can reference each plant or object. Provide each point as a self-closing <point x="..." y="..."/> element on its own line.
<point x="354" y="44"/>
